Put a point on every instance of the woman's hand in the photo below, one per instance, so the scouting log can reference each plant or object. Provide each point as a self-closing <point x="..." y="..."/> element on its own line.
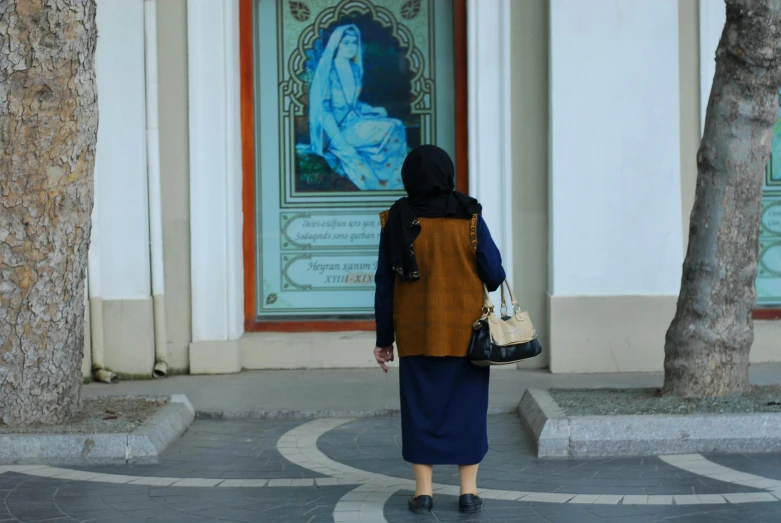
<point x="383" y="355"/>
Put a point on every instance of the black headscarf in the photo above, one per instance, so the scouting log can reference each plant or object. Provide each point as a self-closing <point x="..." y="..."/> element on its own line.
<point x="429" y="179"/>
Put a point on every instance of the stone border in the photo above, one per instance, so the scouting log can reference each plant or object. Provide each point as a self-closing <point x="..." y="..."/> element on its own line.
<point x="143" y="445"/>
<point x="561" y="436"/>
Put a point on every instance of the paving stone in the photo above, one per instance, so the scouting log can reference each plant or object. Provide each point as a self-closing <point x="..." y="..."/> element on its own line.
<point x="256" y="483"/>
<point x="209" y="450"/>
<point x="519" y="466"/>
<point x="766" y="465"/>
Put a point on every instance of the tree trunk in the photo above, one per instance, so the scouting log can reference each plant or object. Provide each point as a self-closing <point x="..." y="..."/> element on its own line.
<point x="48" y="132"/>
<point x="708" y="343"/>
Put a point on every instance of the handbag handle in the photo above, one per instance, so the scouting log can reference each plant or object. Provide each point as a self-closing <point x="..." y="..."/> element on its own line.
<point x="506" y="283"/>
<point x="488" y="306"/>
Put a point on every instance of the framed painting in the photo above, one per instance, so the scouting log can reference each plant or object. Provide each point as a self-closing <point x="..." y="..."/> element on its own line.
<point x="335" y="93"/>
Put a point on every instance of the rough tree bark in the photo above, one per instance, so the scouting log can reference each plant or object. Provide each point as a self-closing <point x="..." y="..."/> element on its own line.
<point x="48" y="132"/>
<point x="708" y="343"/>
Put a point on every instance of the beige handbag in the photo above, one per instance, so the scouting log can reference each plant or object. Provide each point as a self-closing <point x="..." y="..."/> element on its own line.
<point x="506" y="339"/>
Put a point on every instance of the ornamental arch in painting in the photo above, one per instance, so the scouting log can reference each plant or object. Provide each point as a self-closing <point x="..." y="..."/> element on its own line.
<point x="392" y="89"/>
<point x="343" y="89"/>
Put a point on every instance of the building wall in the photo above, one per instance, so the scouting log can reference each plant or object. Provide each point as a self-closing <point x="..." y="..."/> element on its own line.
<point x="616" y="231"/>
<point x="175" y="173"/>
<point x="625" y="332"/>
<point x="605" y="114"/>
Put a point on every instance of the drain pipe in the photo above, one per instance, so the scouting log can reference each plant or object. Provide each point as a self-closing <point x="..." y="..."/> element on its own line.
<point x="99" y="372"/>
<point x="153" y="182"/>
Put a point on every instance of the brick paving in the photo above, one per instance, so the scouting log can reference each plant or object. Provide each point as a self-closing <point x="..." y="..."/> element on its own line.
<point x="258" y="471"/>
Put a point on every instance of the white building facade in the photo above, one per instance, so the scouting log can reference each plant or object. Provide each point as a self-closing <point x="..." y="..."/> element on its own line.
<point x="575" y="123"/>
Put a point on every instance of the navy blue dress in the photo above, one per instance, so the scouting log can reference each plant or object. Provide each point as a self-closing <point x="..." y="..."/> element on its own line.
<point x="444" y="400"/>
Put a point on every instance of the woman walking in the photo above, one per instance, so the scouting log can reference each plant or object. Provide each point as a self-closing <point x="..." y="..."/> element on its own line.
<point x="435" y="254"/>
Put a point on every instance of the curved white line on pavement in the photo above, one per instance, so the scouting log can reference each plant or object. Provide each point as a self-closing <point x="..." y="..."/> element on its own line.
<point x="365" y="504"/>
<point x="299" y="446"/>
<point x="44" y="471"/>
<point x="697" y="464"/>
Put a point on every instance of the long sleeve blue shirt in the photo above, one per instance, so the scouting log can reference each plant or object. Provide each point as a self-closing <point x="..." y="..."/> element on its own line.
<point x="489" y="268"/>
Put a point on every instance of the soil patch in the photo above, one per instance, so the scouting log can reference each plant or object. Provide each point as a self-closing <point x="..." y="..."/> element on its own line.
<point x="100" y="416"/>
<point x="624" y="402"/>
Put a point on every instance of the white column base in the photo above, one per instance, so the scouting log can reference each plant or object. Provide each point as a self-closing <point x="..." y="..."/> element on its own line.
<point x="609" y="333"/>
<point x="215" y="357"/>
<point x="308" y="350"/>
<point x="767" y="342"/>
<point x="129" y="336"/>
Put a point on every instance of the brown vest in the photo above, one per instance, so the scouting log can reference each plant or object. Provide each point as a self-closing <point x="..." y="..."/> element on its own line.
<point x="434" y="315"/>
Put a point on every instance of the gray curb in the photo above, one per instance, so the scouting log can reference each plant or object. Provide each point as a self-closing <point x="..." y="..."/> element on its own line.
<point x="143" y="445"/>
<point x="547" y="422"/>
<point x="560" y="436"/>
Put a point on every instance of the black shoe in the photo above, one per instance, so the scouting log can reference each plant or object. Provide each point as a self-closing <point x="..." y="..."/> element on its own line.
<point x="470" y="503"/>
<point x="421" y="504"/>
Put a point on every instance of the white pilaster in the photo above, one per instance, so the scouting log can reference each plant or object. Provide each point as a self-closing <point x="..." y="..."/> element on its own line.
<point x="615" y="148"/>
<point x="122" y="239"/>
<point x="713" y="16"/>
<point x="215" y="170"/>
<point x="490" y="166"/>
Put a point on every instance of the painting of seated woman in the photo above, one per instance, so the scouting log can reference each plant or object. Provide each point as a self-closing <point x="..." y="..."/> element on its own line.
<point x="353" y="144"/>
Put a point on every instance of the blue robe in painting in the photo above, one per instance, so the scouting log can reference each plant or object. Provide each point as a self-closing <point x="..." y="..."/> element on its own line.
<point x="379" y="143"/>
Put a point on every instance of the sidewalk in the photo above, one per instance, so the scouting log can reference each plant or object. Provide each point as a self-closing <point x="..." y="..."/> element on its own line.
<point x="357" y="392"/>
<point x="337" y="470"/>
